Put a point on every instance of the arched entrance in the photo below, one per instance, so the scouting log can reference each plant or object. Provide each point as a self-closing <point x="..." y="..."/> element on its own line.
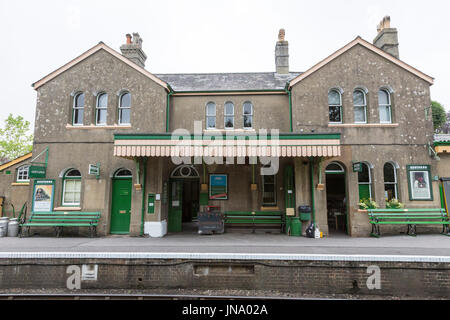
<point x="184" y="194"/>
<point x="121" y="201"/>
<point x="336" y="198"/>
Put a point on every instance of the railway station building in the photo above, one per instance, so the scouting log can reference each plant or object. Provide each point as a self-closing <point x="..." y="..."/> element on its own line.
<point x="150" y="151"/>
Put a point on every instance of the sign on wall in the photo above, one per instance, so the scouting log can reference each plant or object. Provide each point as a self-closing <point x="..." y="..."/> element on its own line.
<point x="218" y="187"/>
<point x="37" y="172"/>
<point x="419" y="182"/>
<point x="43" y="195"/>
<point x="357" y="167"/>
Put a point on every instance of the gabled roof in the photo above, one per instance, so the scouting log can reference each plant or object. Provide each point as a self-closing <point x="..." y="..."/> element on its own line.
<point x="371" y="47"/>
<point x="90" y="52"/>
<point x="15" y="161"/>
<point x="207" y="82"/>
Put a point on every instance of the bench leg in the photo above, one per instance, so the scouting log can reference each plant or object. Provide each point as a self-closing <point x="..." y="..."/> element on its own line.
<point x="92" y="231"/>
<point x="446" y="230"/>
<point x="412" y="230"/>
<point x="59" y="231"/>
<point x="376" y="231"/>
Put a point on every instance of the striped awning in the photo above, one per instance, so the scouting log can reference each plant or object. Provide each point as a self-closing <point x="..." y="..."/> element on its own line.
<point x="286" y="145"/>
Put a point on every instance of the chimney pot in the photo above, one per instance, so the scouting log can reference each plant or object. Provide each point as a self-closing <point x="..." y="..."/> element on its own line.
<point x="132" y="49"/>
<point x="128" y="38"/>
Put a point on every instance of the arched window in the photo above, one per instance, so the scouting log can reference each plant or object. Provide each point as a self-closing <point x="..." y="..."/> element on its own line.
<point x="390" y="181"/>
<point x="248" y="115"/>
<point x="365" y="182"/>
<point x="125" y="109"/>
<point x="71" y="188"/>
<point x="123" y="173"/>
<point x="334" y="168"/>
<point x="210" y="115"/>
<point x="185" y="171"/>
<point x="360" y="106"/>
<point x="335" y="106"/>
<point x="384" y="105"/>
<point x="78" y="110"/>
<point x="23" y="174"/>
<point x="229" y="115"/>
<point x="101" y="109"/>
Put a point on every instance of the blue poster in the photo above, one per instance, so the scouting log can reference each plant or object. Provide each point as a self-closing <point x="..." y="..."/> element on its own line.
<point x="218" y="187"/>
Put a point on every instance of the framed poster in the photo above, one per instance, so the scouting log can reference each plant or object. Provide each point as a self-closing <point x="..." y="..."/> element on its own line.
<point x="218" y="187"/>
<point x="43" y="195"/>
<point x="419" y="182"/>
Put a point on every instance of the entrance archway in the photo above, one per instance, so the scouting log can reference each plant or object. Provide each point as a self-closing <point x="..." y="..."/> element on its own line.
<point x="336" y="198"/>
<point x="184" y="198"/>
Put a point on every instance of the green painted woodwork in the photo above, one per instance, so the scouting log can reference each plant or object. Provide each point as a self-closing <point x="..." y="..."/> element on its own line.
<point x="121" y="206"/>
<point x="289" y="188"/>
<point x="364" y="191"/>
<point x="281" y="136"/>
<point x="175" y="206"/>
<point x="257" y="217"/>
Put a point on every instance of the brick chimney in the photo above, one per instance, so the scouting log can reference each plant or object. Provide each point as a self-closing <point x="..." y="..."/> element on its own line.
<point x="387" y="38"/>
<point x="132" y="49"/>
<point x="282" y="54"/>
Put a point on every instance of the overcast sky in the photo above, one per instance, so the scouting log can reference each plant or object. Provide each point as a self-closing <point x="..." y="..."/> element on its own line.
<point x="193" y="36"/>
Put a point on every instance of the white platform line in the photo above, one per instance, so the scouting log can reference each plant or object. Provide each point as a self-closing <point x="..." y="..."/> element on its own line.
<point x="221" y="256"/>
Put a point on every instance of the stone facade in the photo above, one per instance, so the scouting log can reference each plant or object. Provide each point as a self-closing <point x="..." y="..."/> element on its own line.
<point x="298" y="109"/>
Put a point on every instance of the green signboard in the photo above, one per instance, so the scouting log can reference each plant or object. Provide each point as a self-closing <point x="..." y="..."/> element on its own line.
<point x="218" y="187"/>
<point x="357" y="167"/>
<point x="38" y="172"/>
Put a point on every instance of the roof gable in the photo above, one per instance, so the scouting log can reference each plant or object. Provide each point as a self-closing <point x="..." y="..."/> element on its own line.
<point x="369" y="46"/>
<point x="90" y="52"/>
<point x="15" y="161"/>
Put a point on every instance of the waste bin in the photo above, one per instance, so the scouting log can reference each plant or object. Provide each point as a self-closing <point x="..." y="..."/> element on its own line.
<point x="4" y="227"/>
<point x="13" y="228"/>
<point x="304" y="213"/>
<point x="293" y="226"/>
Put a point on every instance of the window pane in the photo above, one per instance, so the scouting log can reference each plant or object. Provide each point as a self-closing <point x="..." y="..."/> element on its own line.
<point x="101" y="116"/>
<point x="69" y="197"/>
<point x="334" y="167"/>
<point x="229" y="109"/>
<point x="125" y="100"/>
<point x="211" y="109"/>
<point x="73" y="173"/>
<point x="229" y="122"/>
<point x="248" y="121"/>
<point x="360" y="114"/>
<point x="358" y="98"/>
<point x="269" y="190"/>
<point x="335" y="114"/>
<point x="79" y="101"/>
<point x="103" y="101"/>
<point x="124" y="116"/>
<point x="389" y="190"/>
<point x="385" y="114"/>
<point x="389" y="172"/>
<point x="78" y="116"/>
<point x="364" y="175"/>
<point x="334" y="98"/>
<point x="210" y="122"/>
<point x="248" y="108"/>
<point x="383" y="97"/>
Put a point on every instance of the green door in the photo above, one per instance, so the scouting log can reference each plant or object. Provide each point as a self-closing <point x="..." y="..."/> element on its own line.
<point x="121" y="206"/>
<point x="175" y="206"/>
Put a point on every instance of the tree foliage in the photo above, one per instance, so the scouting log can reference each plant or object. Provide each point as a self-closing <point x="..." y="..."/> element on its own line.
<point x="439" y="115"/>
<point x="14" y="138"/>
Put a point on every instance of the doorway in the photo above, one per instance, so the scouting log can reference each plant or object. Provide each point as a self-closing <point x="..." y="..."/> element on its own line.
<point x="184" y="199"/>
<point x="336" y="198"/>
<point x="121" y="202"/>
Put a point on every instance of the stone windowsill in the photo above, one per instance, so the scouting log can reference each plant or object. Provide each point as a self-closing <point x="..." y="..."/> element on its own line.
<point x="21" y="184"/>
<point x="114" y="127"/>
<point x="67" y="209"/>
<point x="363" y="125"/>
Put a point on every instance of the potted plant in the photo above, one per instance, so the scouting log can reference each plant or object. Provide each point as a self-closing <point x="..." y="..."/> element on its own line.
<point x="365" y="204"/>
<point x="394" y="204"/>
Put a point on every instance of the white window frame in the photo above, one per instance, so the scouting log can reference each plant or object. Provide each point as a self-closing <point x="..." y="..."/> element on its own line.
<point x="395" y="183"/>
<point x="122" y="108"/>
<point x="225" y="115"/>
<point x="359" y="106"/>
<point x="75" y="108"/>
<point x="24" y="171"/>
<point x="98" y="108"/>
<point x="334" y="105"/>
<point x="247" y="115"/>
<point x="65" y="179"/>
<point x="389" y="105"/>
<point x="211" y="116"/>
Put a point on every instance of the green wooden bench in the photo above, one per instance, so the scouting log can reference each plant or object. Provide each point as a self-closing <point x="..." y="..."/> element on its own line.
<point x="60" y="219"/>
<point x="257" y="219"/>
<point x="409" y="217"/>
